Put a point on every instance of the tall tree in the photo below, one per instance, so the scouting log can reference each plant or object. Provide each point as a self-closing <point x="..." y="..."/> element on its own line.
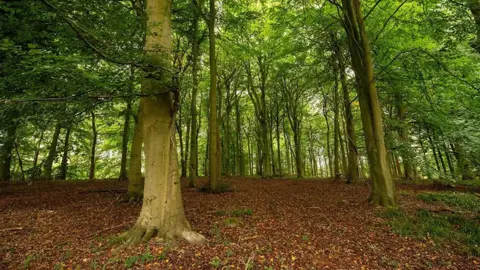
<point x="193" y="159"/>
<point x="352" y="171"/>
<point x="162" y="211"/>
<point x="383" y="190"/>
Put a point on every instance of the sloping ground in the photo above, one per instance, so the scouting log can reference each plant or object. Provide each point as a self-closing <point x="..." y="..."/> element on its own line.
<point x="264" y="224"/>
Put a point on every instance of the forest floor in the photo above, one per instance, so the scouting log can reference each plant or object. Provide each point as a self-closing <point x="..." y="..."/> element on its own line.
<point x="262" y="224"/>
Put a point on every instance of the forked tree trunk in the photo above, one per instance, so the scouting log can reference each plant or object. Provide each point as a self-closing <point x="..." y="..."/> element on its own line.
<point x="64" y="164"/>
<point x="383" y="189"/>
<point x="162" y="211"/>
<point x="52" y="153"/>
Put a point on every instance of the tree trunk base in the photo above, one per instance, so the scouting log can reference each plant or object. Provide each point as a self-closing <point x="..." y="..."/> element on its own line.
<point x="379" y="200"/>
<point x="132" y="197"/>
<point x="139" y="234"/>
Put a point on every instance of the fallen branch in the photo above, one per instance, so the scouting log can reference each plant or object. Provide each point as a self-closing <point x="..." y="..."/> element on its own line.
<point x="250" y="238"/>
<point x="12" y="229"/>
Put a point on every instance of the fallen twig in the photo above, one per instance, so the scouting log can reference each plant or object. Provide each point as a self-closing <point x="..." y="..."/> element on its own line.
<point x="250" y="238"/>
<point x="12" y="229"/>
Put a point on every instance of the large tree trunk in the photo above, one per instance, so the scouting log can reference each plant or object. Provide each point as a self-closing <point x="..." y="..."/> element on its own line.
<point x="91" y="175"/>
<point x="162" y="211"/>
<point x="52" y="153"/>
<point x="64" y="164"/>
<point x="193" y="159"/>
<point x="125" y="136"/>
<point x="266" y="151"/>
<point x="6" y="152"/>
<point x="214" y="151"/>
<point x="135" y="179"/>
<point x="383" y="191"/>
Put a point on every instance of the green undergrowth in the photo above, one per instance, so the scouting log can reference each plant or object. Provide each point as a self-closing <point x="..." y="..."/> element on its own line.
<point x="462" y="201"/>
<point x="444" y="228"/>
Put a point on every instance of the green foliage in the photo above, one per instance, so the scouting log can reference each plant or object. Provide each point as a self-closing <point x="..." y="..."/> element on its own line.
<point x="464" y="201"/>
<point x="454" y="229"/>
<point x="232" y="221"/>
<point x="147" y="256"/>
<point x="216" y="262"/>
<point x="28" y="260"/>
<point x="162" y="256"/>
<point x="131" y="261"/>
